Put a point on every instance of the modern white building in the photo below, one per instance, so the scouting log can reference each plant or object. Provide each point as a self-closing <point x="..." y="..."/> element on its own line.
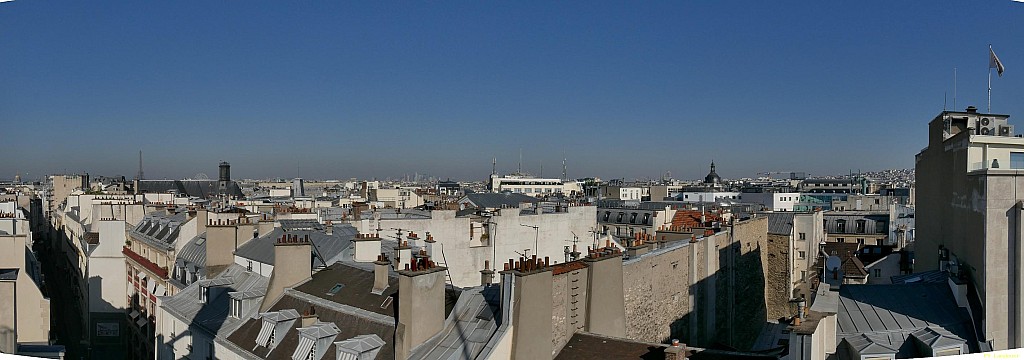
<point x="778" y="201"/>
<point x="524" y="184"/>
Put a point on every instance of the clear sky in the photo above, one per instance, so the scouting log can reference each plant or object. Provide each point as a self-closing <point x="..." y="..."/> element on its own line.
<point x="381" y="88"/>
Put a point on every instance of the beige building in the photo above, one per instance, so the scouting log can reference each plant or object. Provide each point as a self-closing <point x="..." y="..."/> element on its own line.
<point x="25" y="309"/>
<point x="969" y="207"/>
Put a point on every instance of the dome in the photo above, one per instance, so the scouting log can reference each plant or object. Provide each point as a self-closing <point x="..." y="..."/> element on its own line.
<point x="712" y="177"/>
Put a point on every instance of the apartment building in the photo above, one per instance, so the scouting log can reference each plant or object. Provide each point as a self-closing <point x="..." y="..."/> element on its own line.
<point x="970" y="216"/>
<point x="25" y="317"/>
<point x="861" y="227"/>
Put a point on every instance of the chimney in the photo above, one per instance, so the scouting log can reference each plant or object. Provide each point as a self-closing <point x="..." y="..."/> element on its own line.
<point x="246" y="230"/>
<point x="221" y="242"/>
<point x="428" y="244"/>
<point x="403" y="253"/>
<point x="202" y="218"/>
<point x="606" y="308"/>
<point x="309" y="317"/>
<point x="675" y="351"/>
<point x="380" y="274"/>
<point x="421" y="293"/>
<point x="265" y="225"/>
<point x="367" y="247"/>
<point x="529" y="282"/>
<point x="329" y="228"/>
<point x="293" y="264"/>
<point x="486" y="275"/>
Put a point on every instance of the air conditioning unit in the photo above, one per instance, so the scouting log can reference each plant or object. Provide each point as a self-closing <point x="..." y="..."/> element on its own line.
<point x="1005" y="130"/>
<point x="987" y="131"/>
<point x="985" y="122"/>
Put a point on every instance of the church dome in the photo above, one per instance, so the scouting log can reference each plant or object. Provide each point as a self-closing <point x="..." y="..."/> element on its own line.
<point x="712" y="177"/>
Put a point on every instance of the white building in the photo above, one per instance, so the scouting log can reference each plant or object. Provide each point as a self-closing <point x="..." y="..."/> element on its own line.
<point x="523" y="184"/>
<point x="773" y="201"/>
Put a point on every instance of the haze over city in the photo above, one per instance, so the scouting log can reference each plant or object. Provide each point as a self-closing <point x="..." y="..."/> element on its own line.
<point x="339" y="90"/>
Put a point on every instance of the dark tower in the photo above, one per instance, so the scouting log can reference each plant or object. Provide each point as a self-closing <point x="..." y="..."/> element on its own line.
<point x="225" y="177"/>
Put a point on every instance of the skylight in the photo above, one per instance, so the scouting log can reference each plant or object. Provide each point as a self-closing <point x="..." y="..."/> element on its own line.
<point x="334" y="290"/>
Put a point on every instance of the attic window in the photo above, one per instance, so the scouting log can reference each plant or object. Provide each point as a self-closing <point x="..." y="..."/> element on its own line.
<point x="204" y="294"/>
<point x="334" y="290"/>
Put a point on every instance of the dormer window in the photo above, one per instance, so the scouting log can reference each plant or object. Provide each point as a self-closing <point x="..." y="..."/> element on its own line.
<point x="204" y="294"/>
<point x="236" y="308"/>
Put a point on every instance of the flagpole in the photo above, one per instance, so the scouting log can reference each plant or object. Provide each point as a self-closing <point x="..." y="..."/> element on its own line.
<point x="990" y="79"/>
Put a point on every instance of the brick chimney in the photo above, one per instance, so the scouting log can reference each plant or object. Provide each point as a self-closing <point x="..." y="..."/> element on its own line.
<point x="676" y="351"/>
<point x="329" y="228"/>
<point x="420" y="304"/>
<point x="380" y="274"/>
<point x="486" y="275"/>
<point x="309" y="317"/>
<point x="529" y="282"/>
<point x="367" y="247"/>
<point x="293" y="264"/>
<point x="606" y="308"/>
<point x="403" y="253"/>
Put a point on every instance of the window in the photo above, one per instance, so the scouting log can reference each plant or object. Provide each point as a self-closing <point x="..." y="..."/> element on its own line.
<point x="860" y="241"/>
<point x="840" y="240"/>
<point x="607" y="214"/>
<point x="861" y="226"/>
<point x="619" y="218"/>
<point x="236" y="308"/>
<point x="1017" y="160"/>
<point x="204" y="294"/>
<point x="803" y="274"/>
<point x="632" y="218"/>
<point x="803" y="254"/>
<point x="249" y="266"/>
<point x="878" y="272"/>
<point x="803" y="236"/>
<point x="841" y="226"/>
<point x="647" y="217"/>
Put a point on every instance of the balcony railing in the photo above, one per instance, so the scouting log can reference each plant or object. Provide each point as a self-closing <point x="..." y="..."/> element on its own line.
<point x="142" y="261"/>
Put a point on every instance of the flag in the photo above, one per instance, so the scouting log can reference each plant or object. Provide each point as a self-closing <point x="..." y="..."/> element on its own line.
<point x="994" y="63"/>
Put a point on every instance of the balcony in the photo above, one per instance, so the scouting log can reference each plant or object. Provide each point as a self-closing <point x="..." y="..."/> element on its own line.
<point x="153" y="268"/>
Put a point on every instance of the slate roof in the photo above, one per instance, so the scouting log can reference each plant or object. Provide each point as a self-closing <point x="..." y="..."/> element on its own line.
<point x="586" y="346"/>
<point x="933" y="276"/>
<point x="330" y="247"/>
<point x="159" y="229"/>
<point x="499" y="200"/>
<point x="212" y="316"/>
<point x="192" y="188"/>
<point x="474" y="320"/>
<point x="889" y="314"/>
<point x="780" y="223"/>
<point x="349" y="326"/>
<point x="355" y="292"/>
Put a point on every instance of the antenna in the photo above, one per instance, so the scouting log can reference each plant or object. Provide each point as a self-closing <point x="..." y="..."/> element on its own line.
<point x="494" y="165"/>
<point x="954" y="89"/>
<point x="140" y="165"/>
<point x="519" y="169"/>
<point x="564" y="176"/>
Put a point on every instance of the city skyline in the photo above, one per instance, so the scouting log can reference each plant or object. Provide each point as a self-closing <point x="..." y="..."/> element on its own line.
<point x="374" y="90"/>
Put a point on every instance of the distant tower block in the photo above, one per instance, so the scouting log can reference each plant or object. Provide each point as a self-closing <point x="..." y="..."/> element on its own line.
<point x="298" y="189"/>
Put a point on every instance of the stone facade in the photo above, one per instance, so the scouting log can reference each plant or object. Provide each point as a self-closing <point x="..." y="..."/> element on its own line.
<point x="777" y="276"/>
<point x="708" y="291"/>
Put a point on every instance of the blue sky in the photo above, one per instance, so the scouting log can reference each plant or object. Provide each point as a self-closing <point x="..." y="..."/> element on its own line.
<point x="362" y="89"/>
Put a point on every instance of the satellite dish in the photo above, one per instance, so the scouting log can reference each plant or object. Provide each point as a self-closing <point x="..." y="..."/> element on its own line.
<point x="833" y="263"/>
<point x="201" y="176"/>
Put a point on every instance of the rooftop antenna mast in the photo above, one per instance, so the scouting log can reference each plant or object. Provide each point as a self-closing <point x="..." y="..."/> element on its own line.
<point x="140" y="165"/>
<point x="494" y="165"/>
<point x="564" y="175"/>
<point x="519" y="168"/>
